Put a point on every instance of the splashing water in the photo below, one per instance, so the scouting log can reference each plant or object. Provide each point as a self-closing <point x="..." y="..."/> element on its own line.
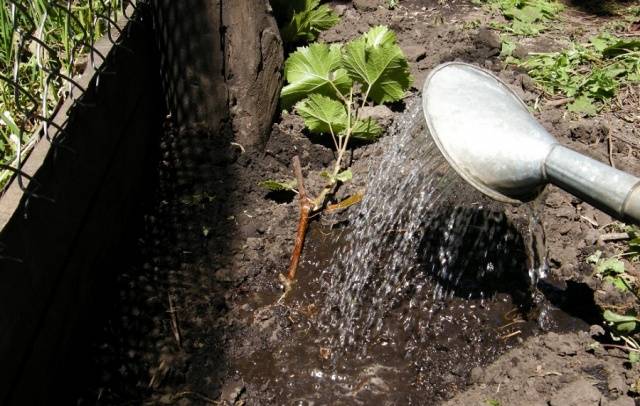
<point x="422" y="234"/>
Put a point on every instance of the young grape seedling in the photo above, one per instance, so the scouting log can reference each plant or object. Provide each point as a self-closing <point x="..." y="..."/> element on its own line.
<point x="328" y="85"/>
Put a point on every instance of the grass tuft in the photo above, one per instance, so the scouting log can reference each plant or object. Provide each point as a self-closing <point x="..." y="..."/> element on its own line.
<point x="40" y="40"/>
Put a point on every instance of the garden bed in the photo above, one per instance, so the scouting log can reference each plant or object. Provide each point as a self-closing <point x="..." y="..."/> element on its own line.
<point x="194" y="317"/>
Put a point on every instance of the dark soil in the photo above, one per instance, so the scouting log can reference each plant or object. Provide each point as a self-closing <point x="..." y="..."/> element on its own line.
<point x="195" y="318"/>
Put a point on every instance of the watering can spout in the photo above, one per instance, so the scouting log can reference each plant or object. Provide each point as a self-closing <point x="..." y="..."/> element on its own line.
<point x="489" y="137"/>
<point x="607" y="188"/>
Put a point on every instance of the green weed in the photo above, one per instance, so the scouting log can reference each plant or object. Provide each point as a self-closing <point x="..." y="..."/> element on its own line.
<point x="590" y="73"/>
<point x="279" y="185"/>
<point x="622" y="327"/>
<point x="302" y="20"/>
<point x="612" y="270"/>
<point x="633" y="244"/>
<point x="526" y="17"/>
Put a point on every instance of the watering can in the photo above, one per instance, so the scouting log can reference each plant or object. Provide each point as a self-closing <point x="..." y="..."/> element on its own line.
<point x="487" y="134"/>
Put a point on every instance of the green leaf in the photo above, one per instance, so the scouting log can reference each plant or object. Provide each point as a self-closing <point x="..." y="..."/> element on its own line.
<point x="283" y="10"/>
<point x="323" y="115"/>
<point x="381" y="69"/>
<point x="620" y="47"/>
<point x="602" y="41"/>
<point x="314" y="69"/>
<point x="507" y="48"/>
<point x="610" y="266"/>
<point x="633" y="245"/>
<point x="520" y="27"/>
<point x="623" y="324"/>
<point x="279" y="186"/>
<point x="634" y="357"/>
<point x="528" y="17"/>
<point x="618" y="283"/>
<point x="366" y="130"/>
<point x="6" y="118"/>
<point x="529" y="14"/>
<point x="594" y="258"/>
<point x="601" y="83"/>
<point x="380" y="36"/>
<point x="612" y="271"/>
<point x="308" y="22"/>
<point x="583" y="105"/>
<point x="345" y="176"/>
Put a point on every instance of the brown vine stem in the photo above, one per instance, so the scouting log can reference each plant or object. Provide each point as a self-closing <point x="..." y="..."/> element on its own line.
<point x="309" y="204"/>
<point x="306" y="205"/>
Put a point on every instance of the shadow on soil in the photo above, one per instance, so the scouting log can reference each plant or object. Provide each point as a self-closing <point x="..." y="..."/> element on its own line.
<point x="600" y="7"/>
<point x="156" y="327"/>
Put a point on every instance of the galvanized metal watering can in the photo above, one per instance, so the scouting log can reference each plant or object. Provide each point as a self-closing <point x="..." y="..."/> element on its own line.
<point x="488" y="136"/>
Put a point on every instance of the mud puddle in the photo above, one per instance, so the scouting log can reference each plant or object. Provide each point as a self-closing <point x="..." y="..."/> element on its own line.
<point x="421" y="356"/>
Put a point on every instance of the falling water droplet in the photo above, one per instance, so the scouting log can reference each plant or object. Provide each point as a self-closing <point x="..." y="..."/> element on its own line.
<point x="421" y="233"/>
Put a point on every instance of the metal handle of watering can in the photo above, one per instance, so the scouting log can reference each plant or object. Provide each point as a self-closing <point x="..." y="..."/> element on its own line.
<point x="606" y="188"/>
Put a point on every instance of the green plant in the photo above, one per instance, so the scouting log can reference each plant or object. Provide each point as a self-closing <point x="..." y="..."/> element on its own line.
<point x="329" y="85"/>
<point x="590" y="73"/>
<point x="526" y="17"/>
<point x="622" y="328"/>
<point x="303" y="20"/>
<point x="67" y="30"/>
<point x="612" y="270"/>
<point x="633" y="244"/>
<point x="279" y="186"/>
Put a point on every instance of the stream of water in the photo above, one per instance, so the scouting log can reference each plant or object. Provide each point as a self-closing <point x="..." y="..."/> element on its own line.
<point x="422" y="234"/>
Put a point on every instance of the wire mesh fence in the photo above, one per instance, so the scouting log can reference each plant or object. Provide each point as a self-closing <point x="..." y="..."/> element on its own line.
<point x="45" y="46"/>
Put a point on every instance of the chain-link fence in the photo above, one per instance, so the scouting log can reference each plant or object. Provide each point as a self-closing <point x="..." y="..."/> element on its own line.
<point x="45" y="46"/>
<point x="81" y="109"/>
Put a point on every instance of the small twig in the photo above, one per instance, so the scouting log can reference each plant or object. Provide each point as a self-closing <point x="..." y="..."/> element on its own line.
<point x="590" y="221"/>
<point x="175" y="327"/>
<point x="602" y="227"/>
<point x="559" y="102"/>
<point x="159" y="375"/>
<point x="196" y="395"/>
<point x="620" y="347"/>
<point x="556" y="373"/>
<point x="512" y="314"/>
<point x="515" y="333"/>
<point x="610" y="144"/>
<point x="235" y="144"/>
<point x="614" y="236"/>
<point x="518" y="321"/>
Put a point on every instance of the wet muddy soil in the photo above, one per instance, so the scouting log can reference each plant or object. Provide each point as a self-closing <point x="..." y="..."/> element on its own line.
<point x="195" y="316"/>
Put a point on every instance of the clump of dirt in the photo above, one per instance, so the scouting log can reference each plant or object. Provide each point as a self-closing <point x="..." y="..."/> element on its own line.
<point x="195" y="316"/>
<point x="553" y="370"/>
